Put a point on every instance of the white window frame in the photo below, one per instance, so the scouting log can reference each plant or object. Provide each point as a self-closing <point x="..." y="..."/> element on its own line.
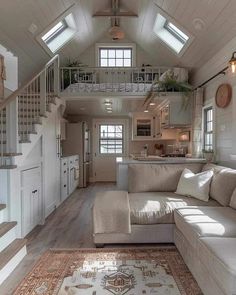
<point x="115" y="58"/>
<point x="204" y="109"/>
<point x="62" y="37"/>
<point x="98" y="46"/>
<point x="120" y="139"/>
<point x="159" y="28"/>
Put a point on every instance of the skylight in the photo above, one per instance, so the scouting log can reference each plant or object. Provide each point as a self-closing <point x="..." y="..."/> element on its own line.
<point x="58" y="35"/>
<point x="55" y="31"/>
<point x="176" y="32"/>
<point x="171" y="35"/>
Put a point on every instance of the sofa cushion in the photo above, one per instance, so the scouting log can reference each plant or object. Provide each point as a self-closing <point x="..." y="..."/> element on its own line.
<point x="158" y="207"/>
<point x="233" y="200"/>
<point x="218" y="255"/>
<point x="223" y="183"/>
<point x="157" y="177"/>
<point x="195" y="222"/>
<point x="195" y="185"/>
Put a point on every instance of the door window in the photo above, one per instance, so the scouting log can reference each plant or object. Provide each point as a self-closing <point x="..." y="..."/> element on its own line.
<point x="111" y="139"/>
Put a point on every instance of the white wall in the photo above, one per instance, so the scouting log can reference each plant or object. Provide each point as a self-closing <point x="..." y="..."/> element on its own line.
<point x="225" y="119"/>
<point x="89" y="56"/>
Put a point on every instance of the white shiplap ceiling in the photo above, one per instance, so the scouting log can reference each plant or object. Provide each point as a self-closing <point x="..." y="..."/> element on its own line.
<point x="17" y="16"/>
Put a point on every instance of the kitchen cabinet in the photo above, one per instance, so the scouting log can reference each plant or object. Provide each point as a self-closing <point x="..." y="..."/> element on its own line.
<point x="69" y="176"/>
<point x="31" y="199"/>
<point x="176" y="113"/>
<point x="145" y="126"/>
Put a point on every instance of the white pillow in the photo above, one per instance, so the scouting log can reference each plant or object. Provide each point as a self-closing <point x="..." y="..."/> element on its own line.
<point x="195" y="185"/>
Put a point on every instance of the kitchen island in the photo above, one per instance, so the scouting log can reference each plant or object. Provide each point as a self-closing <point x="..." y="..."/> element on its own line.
<point x="122" y="164"/>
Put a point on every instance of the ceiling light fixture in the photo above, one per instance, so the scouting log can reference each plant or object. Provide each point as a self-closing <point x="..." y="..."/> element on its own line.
<point x="108" y="103"/>
<point x="109" y="108"/>
<point x="232" y="63"/>
<point x="116" y="33"/>
<point x="146" y="111"/>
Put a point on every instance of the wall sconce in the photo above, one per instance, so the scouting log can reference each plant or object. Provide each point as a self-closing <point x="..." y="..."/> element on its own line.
<point x="184" y="136"/>
<point x="232" y="63"/>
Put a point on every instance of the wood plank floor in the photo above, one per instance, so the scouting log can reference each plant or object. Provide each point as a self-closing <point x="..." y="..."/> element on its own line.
<point x="70" y="226"/>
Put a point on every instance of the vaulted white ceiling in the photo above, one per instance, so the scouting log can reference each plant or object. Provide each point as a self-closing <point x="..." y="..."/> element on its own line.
<point x="217" y="16"/>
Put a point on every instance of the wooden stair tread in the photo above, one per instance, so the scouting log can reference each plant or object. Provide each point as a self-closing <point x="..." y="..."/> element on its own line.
<point x="9" y="252"/>
<point x="6" y="226"/>
<point x="11" y="154"/>
<point x="2" y="206"/>
<point x="8" y="166"/>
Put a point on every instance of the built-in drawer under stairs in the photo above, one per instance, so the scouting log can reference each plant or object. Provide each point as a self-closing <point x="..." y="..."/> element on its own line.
<point x="12" y="250"/>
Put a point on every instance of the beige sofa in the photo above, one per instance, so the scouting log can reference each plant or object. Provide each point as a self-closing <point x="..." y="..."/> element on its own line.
<point x="152" y="201"/>
<point x="204" y="232"/>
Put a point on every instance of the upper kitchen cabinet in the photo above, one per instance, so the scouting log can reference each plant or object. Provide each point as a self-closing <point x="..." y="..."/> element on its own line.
<point x="145" y="126"/>
<point x="176" y="112"/>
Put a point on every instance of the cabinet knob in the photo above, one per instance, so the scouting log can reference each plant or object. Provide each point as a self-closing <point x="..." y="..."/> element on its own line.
<point x="64" y="185"/>
<point x="65" y="171"/>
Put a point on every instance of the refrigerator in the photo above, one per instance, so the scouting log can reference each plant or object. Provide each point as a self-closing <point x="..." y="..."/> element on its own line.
<point x="77" y="142"/>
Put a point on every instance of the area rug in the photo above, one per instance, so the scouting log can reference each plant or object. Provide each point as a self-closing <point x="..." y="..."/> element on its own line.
<point x="137" y="271"/>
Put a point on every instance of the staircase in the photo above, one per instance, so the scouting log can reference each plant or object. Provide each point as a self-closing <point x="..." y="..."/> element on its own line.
<point x="22" y="117"/>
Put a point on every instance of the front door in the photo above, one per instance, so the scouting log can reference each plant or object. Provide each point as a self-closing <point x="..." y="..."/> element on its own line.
<point x="110" y="140"/>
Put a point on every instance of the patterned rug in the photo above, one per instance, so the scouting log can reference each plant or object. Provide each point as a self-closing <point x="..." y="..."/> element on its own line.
<point x="157" y="271"/>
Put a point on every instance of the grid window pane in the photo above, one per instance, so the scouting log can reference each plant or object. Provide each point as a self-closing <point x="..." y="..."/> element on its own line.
<point x="111" y="62"/>
<point x="111" y="139"/>
<point x="103" y="53"/>
<point x="127" y="62"/>
<point x="103" y="62"/>
<point x="115" y="57"/>
<point x="119" y="53"/>
<point x="119" y="62"/>
<point x="127" y="53"/>
<point x="208" y="129"/>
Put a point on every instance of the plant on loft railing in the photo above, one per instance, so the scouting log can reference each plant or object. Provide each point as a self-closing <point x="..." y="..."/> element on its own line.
<point x="169" y="82"/>
<point x="23" y="108"/>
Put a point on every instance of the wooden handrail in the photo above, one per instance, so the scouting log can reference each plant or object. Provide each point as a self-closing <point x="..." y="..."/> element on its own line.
<point x="16" y="93"/>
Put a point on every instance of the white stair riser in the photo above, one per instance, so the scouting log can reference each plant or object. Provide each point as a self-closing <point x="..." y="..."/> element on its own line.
<point x="12" y="264"/>
<point x="3" y="215"/>
<point x="7" y="239"/>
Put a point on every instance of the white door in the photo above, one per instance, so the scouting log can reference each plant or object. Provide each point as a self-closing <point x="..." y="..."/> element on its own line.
<point x="110" y="140"/>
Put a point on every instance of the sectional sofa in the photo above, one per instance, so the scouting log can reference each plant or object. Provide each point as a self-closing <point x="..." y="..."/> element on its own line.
<point x="151" y="212"/>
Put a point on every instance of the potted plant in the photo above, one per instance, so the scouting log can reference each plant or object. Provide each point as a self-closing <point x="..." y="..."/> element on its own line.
<point x="70" y="76"/>
<point x="169" y="83"/>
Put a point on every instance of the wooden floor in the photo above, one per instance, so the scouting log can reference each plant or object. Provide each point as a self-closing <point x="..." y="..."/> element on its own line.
<point x="68" y="227"/>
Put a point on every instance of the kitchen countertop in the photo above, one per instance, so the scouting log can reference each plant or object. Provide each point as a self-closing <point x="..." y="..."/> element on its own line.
<point x="129" y="160"/>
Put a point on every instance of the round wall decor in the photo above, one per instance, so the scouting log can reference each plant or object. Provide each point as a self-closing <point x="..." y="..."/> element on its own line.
<point x="223" y="95"/>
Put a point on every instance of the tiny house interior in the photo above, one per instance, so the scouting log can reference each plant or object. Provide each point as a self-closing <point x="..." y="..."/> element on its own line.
<point x="117" y="147"/>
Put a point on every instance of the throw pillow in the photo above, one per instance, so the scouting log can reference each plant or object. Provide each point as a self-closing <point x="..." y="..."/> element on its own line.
<point x="195" y="185"/>
<point x="233" y="200"/>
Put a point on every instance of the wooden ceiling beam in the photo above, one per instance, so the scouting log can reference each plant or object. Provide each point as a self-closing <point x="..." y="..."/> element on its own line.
<point x="112" y="15"/>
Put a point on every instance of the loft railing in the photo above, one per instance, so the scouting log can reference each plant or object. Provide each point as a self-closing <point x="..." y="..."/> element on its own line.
<point x="100" y="79"/>
<point x="23" y="108"/>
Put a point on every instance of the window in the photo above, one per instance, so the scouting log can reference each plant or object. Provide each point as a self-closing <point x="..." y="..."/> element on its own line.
<point x="58" y="35"/>
<point x="171" y="34"/>
<point x="54" y="32"/>
<point x="176" y="32"/>
<point x="115" y="57"/>
<point x="111" y="139"/>
<point x="208" y="128"/>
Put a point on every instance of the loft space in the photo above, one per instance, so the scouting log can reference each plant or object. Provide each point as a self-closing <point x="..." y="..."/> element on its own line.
<point x="117" y="131"/>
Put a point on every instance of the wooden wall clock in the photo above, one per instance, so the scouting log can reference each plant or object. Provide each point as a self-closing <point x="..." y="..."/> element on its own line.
<point x="223" y="95"/>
